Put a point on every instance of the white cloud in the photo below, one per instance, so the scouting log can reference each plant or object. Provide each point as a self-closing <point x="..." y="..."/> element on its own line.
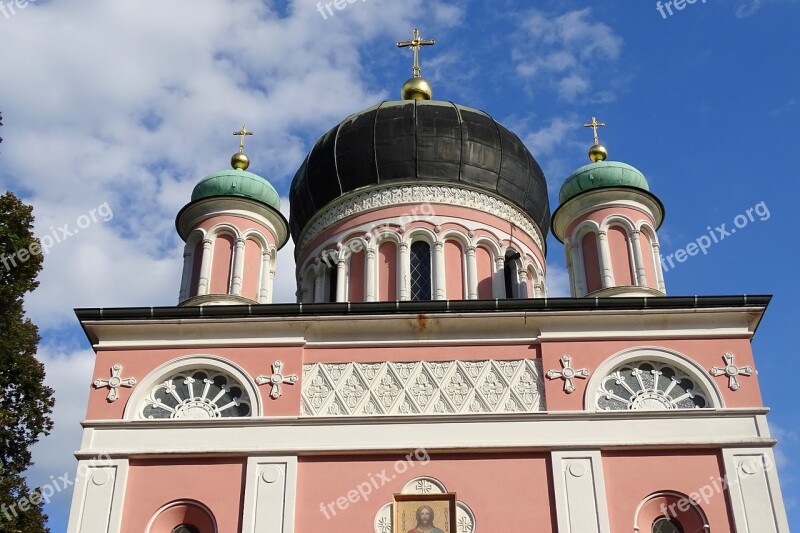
<point x="563" y="51"/>
<point x="557" y="282"/>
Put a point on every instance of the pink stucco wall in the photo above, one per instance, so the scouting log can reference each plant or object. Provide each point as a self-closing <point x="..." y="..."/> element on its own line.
<point x="508" y="493"/>
<point x="218" y="484"/>
<point x="454" y="266"/>
<point x="633" y="476"/>
<point x="387" y="272"/>
<point x="356" y="278"/>
<point x="252" y="269"/>
<point x="619" y="247"/>
<point x="591" y="262"/>
<point x="222" y="264"/>
<point x="649" y="260"/>
<point x="485" y="273"/>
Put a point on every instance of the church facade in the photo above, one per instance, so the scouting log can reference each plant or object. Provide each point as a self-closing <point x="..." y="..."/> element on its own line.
<point x="424" y="381"/>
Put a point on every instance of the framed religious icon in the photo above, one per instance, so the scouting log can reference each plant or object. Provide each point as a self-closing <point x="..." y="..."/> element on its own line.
<point x="425" y="513"/>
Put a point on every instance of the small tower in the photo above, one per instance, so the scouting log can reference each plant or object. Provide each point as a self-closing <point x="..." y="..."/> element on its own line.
<point x="607" y="220"/>
<point x="233" y="229"/>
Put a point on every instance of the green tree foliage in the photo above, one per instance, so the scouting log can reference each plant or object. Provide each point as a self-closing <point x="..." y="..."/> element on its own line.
<point x="25" y="402"/>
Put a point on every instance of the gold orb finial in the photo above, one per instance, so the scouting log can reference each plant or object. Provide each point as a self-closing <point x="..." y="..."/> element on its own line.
<point x="597" y="152"/>
<point x="417" y="88"/>
<point x="240" y="161"/>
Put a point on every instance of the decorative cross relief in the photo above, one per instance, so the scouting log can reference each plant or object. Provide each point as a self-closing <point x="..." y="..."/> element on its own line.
<point x="277" y="379"/>
<point x="114" y="383"/>
<point x="567" y="373"/>
<point x="732" y="371"/>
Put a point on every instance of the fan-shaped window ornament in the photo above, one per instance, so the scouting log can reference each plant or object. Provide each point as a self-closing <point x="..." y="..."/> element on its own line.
<point x="648" y="385"/>
<point x="197" y="394"/>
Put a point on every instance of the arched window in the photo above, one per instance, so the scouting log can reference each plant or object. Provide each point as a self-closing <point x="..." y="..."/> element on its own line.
<point x="666" y="525"/>
<point x="510" y="273"/>
<point x="333" y="283"/>
<point x="197" y="393"/>
<point x="185" y="528"/>
<point x="421" y="286"/>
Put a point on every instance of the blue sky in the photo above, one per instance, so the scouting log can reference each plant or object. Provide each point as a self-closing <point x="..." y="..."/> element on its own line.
<point x="128" y="104"/>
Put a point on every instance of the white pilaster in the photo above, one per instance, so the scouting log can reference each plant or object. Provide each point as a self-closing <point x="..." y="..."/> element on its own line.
<point x="186" y="278"/>
<point x="267" y="275"/>
<point x="606" y="273"/>
<point x="371" y="268"/>
<point x="404" y="272"/>
<point x="98" y="496"/>
<point x="755" y="492"/>
<point x="341" y="278"/>
<point x="659" y="270"/>
<point x="439" y="280"/>
<point x="472" y="274"/>
<point x="638" y="257"/>
<point x="270" y="495"/>
<point x="238" y="268"/>
<point x="205" y="268"/>
<point x="319" y="283"/>
<point x="580" y="492"/>
<point x="499" y="278"/>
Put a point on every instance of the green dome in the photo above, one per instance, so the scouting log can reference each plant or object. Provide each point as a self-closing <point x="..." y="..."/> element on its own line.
<point x="600" y="175"/>
<point x="238" y="183"/>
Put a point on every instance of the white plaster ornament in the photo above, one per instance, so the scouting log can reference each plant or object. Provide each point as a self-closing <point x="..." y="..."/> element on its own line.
<point x="114" y="383"/>
<point x="277" y="379"/>
<point x="568" y="374"/>
<point x="732" y="371"/>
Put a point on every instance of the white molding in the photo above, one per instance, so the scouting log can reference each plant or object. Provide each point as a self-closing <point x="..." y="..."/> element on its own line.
<point x="754" y="490"/>
<point x="508" y="432"/>
<point x="98" y="496"/>
<point x="142" y="390"/>
<point x="375" y="198"/>
<point x="653" y="353"/>
<point x="580" y="494"/>
<point x="270" y="495"/>
<point x="452" y="328"/>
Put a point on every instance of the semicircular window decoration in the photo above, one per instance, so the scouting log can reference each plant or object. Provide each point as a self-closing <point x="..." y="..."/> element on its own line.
<point x="197" y="394"/>
<point x="648" y="385"/>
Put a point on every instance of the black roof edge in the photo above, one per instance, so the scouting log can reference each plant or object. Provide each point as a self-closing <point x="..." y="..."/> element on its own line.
<point x="439" y="306"/>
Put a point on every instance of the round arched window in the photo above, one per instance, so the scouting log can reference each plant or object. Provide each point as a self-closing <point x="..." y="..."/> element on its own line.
<point x="198" y="394"/>
<point x="665" y="525"/>
<point x="649" y="385"/>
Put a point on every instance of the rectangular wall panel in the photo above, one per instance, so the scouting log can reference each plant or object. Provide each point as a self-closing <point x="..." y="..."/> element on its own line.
<point x="269" y="501"/>
<point x="580" y="492"/>
<point x="754" y="490"/>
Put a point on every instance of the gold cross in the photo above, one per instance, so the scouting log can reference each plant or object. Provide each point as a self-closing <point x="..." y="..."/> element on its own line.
<point x="416" y="43"/>
<point x="594" y="125"/>
<point x="242" y="133"/>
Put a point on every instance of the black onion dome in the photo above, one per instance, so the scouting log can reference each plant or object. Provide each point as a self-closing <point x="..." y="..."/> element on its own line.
<point x="437" y="143"/>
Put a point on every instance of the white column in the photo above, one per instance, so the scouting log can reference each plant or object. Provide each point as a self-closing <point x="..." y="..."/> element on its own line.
<point x="341" y="278"/>
<point x="580" y="493"/>
<point x="538" y="289"/>
<point x="641" y="273"/>
<point x="186" y="278"/>
<point x="403" y="273"/>
<point x="372" y="268"/>
<point x="472" y="273"/>
<point x="659" y="270"/>
<point x="270" y="495"/>
<point x="98" y="496"/>
<point x="439" y="280"/>
<point x="755" y="493"/>
<point x="267" y="272"/>
<point x="499" y="278"/>
<point x="319" y="283"/>
<point x="238" y="268"/>
<point x="205" y="269"/>
<point x="523" y="291"/>
<point x="577" y="270"/>
<point x="606" y="274"/>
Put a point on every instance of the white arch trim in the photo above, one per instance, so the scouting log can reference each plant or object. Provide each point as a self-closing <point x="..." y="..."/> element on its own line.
<point x="176" y="503"/>
<point x="658" y="354"/>
<point x="133" y="407"/>
<point x="669" y="494"/>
